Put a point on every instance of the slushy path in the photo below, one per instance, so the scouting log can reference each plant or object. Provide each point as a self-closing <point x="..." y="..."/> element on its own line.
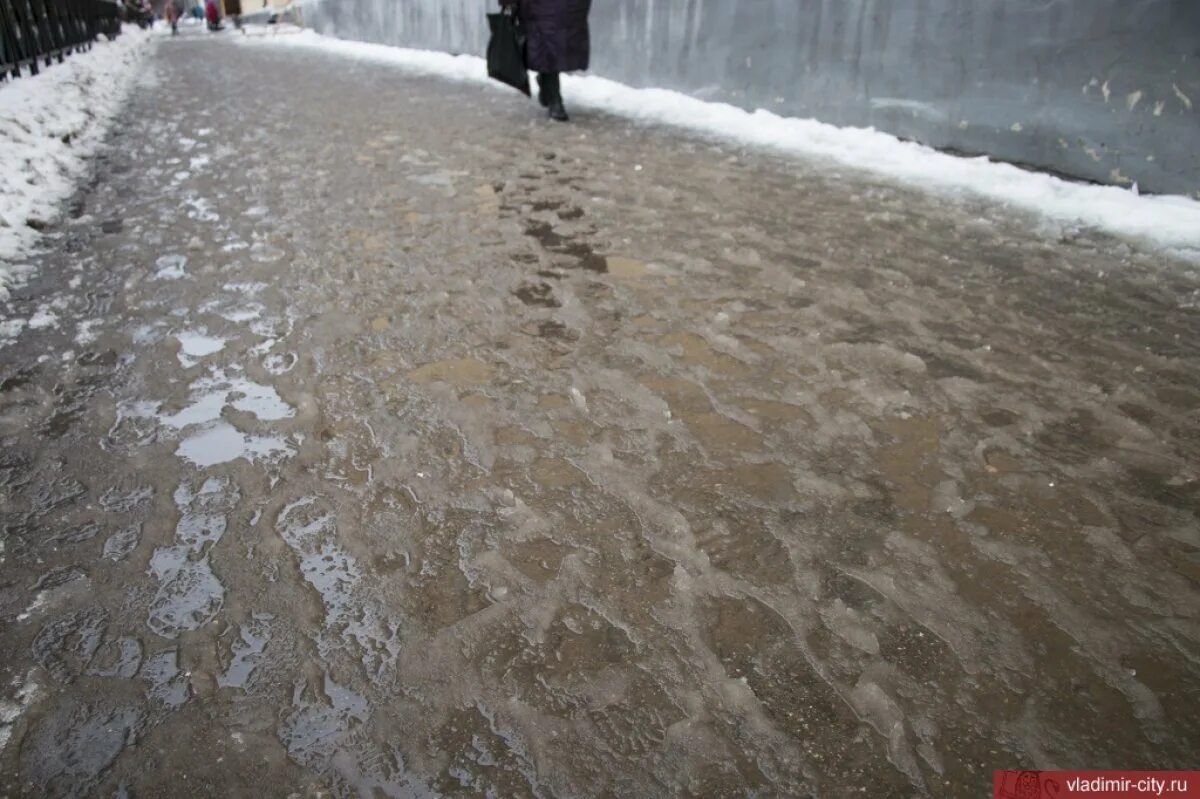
<point x="381" y="438"/>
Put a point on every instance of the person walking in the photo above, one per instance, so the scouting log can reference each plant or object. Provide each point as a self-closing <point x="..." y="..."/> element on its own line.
<point x="556" y="41"/>
<point x="171" y="15"/>
<point x="213" y="14"/>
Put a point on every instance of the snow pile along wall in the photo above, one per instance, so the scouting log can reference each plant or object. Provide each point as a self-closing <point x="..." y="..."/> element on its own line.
<point x="49" y="125"/>
<point x="1105" y="90"/>
<point x="1170" y="223"/>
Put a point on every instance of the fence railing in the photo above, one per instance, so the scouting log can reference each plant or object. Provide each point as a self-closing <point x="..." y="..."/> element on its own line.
<point x="33" y="31"/>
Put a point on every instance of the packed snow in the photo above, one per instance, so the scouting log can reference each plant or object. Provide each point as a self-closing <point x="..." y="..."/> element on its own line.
<point x="50" y="124"/>
<point x="1168" y="222"/>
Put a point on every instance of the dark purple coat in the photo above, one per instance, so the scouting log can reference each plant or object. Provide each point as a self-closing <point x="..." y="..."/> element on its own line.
<point x="557" y="32"/>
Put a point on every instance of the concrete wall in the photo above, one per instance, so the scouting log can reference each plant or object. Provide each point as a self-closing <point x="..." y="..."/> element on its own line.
<point x="1107" y="90"/>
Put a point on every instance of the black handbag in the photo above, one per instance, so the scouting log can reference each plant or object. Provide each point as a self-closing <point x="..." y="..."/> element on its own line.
<point x="506" y="52"/>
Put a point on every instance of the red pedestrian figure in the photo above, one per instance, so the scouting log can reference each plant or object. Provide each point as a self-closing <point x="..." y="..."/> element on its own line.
<point x="213" y="14"/>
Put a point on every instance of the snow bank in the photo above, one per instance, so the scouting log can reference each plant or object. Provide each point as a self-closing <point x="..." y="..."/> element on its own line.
<point x="1172" y="223"/>
<point x="49" y="125"/>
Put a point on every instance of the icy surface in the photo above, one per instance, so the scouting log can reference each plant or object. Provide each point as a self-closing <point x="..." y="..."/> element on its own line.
<point x="1168" y="221"/>
<point x="531" y="465"/>
<point x="194" y="346"/>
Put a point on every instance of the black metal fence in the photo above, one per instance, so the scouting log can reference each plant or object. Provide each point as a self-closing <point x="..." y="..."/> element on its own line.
<point x="33" y="31"/>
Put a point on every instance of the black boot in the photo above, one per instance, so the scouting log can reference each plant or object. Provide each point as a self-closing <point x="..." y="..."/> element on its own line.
<point x="545" y="81"/>
<point x="550" y="95"/>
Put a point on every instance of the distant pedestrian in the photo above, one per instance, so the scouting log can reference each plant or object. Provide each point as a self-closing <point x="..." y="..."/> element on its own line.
<point x="171" y="15"/>
<point x="213" y="14"/>
<point x="557" y="41"/>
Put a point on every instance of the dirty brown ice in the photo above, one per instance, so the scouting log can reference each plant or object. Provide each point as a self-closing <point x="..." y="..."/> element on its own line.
<point x="380" y="439"/>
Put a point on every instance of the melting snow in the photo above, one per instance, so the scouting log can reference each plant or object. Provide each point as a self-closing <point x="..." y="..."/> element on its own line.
<point x="1169" y="222"/>
<point x="49" y="125"/>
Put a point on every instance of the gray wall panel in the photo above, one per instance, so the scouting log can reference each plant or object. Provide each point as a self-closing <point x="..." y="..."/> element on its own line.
<point x="1107" y="90"/>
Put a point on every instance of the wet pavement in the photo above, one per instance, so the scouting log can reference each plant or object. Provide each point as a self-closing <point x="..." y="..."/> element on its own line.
<point x="380" y="438"/>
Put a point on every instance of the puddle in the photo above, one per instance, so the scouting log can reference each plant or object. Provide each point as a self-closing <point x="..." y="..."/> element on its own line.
<point x="211" y="395"/>
<point x="170" y="267"/>
<point x="221" y="442"/>
<point x="216" y="441"/>
<point x="324" y="731"/>
<point x="195" y="346"/>
<point x="310" y="530"/>
<point x="313" y="730"/>
<point x="203" y="518"/>
<point x="166" y="682"/>
<point x="247" y="651"/>
<point x="189" y="593"/>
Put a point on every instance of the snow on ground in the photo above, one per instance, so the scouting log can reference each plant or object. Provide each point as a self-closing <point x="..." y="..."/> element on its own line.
<point x="49" y="125"/>
<point x="1169" y="222"/>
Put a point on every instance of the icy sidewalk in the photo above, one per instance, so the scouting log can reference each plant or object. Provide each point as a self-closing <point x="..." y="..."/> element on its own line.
<point x="384" y="437"/>
<point x="1168" y="222"/>
<point x="49" y="125"/>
